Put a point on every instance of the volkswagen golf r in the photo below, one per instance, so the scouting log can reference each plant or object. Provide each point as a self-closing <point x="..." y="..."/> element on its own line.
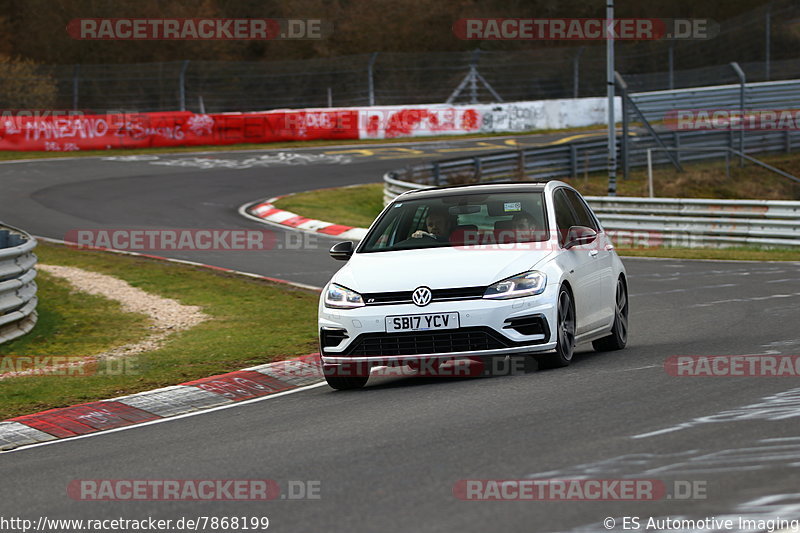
<point x="473" y="271"/>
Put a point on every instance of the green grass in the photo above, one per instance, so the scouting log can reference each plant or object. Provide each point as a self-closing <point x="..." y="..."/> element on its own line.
<point x="358" y="206"/>
<point x="17" y="154"/>
<point x="74" y="323"/>
<point x="352" y="206"/>
<point x="253" y="322"/>
<point x="704" y="180"/>
<point x="725" y="254"/>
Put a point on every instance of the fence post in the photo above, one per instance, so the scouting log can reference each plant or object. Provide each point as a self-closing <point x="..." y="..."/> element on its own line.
<point x="677" y="138"/>
<point x="76" y="71"/>
<point x="742" y="80"/>
<point x="521" y="164"/>
<point x="787" y="141"/>
<point x="478" y="171"/>
<point x="437" y="174"/>
<point x="671" y="64"/>
<point x="576" y="60"/>
<point x="182" y="85"/>
<point x="624" y="148"/>
<point x="371" y="78"/>
<point x="767" y="31"/>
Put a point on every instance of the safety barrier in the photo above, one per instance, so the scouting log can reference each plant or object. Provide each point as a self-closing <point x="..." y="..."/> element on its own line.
<point x="17" y="286"/>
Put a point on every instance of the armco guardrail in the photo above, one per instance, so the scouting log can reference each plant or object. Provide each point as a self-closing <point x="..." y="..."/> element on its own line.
<point x="699" y="222"/>
<point x="17" y="286"/>
<point x="653" y="221"/>
<point x="687" y="222"/>
<point x="577" y="158"/>
<point x="765" y="95"/>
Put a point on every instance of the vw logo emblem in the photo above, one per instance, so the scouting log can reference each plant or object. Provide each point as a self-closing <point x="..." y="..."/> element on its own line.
<point x="421" y="296"/>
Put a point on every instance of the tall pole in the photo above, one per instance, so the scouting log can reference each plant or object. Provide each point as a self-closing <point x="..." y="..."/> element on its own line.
<point x="612" y="133"/>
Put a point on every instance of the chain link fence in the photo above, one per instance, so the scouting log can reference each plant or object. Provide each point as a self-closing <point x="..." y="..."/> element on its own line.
<point x="763" y="41"/>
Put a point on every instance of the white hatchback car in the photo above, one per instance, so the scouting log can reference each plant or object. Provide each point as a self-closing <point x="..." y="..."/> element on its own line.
<point x="473" y="271"/>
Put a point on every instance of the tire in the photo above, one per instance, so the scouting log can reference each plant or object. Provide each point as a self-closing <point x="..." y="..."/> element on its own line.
<point x="565" y="334"/>
<point x="346" y="383"/>
<point x="619" y="331"/>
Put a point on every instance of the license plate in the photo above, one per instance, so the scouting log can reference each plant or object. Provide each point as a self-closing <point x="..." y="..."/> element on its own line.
<point x="422" y="322"/>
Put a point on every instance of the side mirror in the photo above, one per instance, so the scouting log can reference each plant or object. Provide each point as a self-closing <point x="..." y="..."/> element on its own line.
<point x="342" y="251"/>
<point x="578" y="235"/>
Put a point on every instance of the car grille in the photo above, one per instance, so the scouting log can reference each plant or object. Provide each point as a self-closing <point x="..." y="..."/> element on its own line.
<point x="437" y="295"/>
<point x="425" y="342"/>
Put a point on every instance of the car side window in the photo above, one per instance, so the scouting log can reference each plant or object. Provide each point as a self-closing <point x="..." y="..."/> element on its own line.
<point x="584" y="216"/>
<point x="565" y="219"/>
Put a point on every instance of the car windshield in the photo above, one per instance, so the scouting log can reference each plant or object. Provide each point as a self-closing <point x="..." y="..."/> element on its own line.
<point x="459" y="220"/>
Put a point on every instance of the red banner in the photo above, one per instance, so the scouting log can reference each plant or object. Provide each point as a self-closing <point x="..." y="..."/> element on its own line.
<point x="71" y="132"/>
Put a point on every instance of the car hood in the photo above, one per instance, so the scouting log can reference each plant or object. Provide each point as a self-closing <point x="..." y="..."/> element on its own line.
<point x="437" y="268"/>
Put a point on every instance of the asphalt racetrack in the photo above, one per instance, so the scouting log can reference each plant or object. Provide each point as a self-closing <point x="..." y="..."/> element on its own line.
<point x="388" y="457"/>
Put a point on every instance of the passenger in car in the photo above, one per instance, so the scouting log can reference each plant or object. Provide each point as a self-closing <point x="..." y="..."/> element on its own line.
<point x="523" y="222"/>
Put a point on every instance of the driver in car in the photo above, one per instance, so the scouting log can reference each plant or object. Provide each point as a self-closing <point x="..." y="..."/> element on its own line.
<point x="439" y="224"/>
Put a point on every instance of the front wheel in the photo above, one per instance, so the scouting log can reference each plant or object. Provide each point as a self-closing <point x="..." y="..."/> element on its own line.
<point x="565" y="334"/>
<point x="619" y="331"/>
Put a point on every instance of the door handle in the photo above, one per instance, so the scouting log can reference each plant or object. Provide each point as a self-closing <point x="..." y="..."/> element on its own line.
<point x="593" y="253"/>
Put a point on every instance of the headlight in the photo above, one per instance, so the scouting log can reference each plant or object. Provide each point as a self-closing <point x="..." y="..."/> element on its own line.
<point x="526" y="284"/>
<point x="340" y="297"/>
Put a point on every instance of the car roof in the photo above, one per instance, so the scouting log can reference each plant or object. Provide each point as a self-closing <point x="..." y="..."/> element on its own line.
<point x="481" y="188"/>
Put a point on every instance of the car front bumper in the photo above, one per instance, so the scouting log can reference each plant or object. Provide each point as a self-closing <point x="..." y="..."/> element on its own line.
<point x="485" y="329"/>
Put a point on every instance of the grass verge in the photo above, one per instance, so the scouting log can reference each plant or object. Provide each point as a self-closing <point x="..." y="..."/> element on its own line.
<point x="352" y="206"/>
<point x="358" y="206"/>
<point x="253" y="322"/>
<point x="704" y="180"/>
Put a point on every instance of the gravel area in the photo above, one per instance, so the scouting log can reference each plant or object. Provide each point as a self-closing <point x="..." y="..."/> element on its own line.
<point x="166" y="315"/>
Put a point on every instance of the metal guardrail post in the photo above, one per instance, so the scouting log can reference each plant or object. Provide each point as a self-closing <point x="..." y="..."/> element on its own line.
<point x="437" y="174"/>
<point x="478" y="169"/>
<point x="573" y="160"/>
<point x="521" y="165"/>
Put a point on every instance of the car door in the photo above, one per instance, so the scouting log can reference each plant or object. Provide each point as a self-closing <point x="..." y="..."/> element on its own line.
<point x="602" y="259"/>
<point x="580" y="263"/>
